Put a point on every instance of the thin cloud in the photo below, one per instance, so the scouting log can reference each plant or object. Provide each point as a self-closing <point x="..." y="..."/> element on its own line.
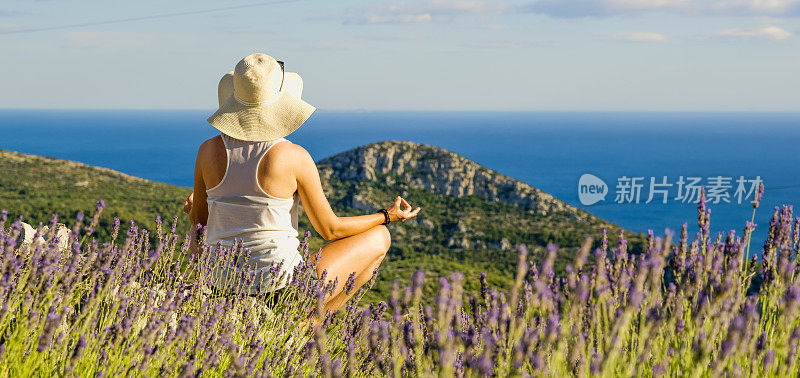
<point x="394" y="38"/>
<point x="248" y="30"/>
<point x="111" y="40"/>
<point x="391" y="19"/>
<point x="608" y="8"/>
<point x="332" y="45"/>
<point x="639" y="36"/>
<point x="501" y="45"/>
<point x="11" y="13"/>
<point x="6" y="28"/>
<point x="421" y="11"/>
<point x="150" y="17"/>
<point x="767" y="32"/>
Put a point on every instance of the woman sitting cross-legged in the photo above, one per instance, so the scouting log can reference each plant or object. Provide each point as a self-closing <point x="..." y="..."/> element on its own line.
<point x="249" y="181"/>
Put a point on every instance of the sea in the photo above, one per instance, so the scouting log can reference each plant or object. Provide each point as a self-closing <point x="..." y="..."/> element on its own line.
<point x="627" y="155"/>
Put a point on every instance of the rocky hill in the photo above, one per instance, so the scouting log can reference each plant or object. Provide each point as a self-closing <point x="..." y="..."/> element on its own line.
<point x="472" y="220"/>
<point x="438" y="170"/>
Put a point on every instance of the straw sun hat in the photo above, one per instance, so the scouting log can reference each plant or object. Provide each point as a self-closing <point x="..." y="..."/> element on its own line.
<point x="259" y="102"/>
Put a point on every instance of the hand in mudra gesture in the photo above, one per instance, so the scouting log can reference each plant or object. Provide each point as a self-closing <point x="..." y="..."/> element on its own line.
<point x="398" y="214"/>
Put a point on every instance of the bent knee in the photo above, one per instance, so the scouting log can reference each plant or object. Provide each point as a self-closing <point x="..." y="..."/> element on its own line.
<point x="381" y="238"/>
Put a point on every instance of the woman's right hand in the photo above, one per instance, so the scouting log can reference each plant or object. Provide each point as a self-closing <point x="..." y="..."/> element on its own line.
<point x="187" y="205"/>
<point x="398" y="214"/>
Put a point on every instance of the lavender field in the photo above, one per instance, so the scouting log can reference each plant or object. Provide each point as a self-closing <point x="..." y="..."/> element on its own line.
<point x="692" y="304"/>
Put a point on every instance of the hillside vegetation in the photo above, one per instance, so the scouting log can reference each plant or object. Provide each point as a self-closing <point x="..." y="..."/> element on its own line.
<point x="36" y="187"/>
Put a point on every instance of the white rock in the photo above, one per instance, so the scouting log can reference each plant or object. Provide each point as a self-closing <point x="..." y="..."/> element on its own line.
<point x="62" y="233"/>
<point x="26" y="237"/>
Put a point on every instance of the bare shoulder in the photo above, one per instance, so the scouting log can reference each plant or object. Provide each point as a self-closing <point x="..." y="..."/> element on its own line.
<point x="212" y="143"/>
<point x="292" y="152"/>
<point x="211" y="148"/>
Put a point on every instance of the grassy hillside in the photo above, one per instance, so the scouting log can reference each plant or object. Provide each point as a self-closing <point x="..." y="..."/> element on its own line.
<point x="465" y="233"/>
<point x="37" y="187"/>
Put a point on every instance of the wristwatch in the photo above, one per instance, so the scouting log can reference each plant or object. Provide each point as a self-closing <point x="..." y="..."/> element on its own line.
<point x="385" y="215"/>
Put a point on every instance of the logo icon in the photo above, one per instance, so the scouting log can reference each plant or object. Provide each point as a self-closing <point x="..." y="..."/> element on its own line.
<point x="591" y="189"/>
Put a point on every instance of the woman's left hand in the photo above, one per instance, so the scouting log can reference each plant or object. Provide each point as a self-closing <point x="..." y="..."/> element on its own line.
<point x="187" y="205"/>
<point x="398" y="214"/>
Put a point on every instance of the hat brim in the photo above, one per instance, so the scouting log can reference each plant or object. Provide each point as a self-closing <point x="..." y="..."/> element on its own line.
<point x="263" y="122"/>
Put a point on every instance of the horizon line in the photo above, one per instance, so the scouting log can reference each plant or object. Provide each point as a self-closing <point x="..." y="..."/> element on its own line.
<point x="363" y="110"/>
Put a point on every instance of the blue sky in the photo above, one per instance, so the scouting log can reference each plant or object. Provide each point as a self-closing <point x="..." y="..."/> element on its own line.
<point x="420" y="55"/>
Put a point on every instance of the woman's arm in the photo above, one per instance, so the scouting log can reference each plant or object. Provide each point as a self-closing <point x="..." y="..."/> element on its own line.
<point x="198" y="207"/>
<point x="325" y="221"/>
<point x="199" y="212"/>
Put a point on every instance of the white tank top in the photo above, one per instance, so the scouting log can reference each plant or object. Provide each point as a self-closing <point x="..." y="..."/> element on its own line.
<point x="240" y="210"/>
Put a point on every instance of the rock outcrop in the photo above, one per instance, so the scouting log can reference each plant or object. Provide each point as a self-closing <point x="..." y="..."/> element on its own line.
<point x="27" y="235"/>
<point x="436" y="169"/>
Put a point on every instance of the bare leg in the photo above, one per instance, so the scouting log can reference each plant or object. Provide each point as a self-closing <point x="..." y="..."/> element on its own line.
<point x="335" y="301"/>
<point x="360" y="253"/>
